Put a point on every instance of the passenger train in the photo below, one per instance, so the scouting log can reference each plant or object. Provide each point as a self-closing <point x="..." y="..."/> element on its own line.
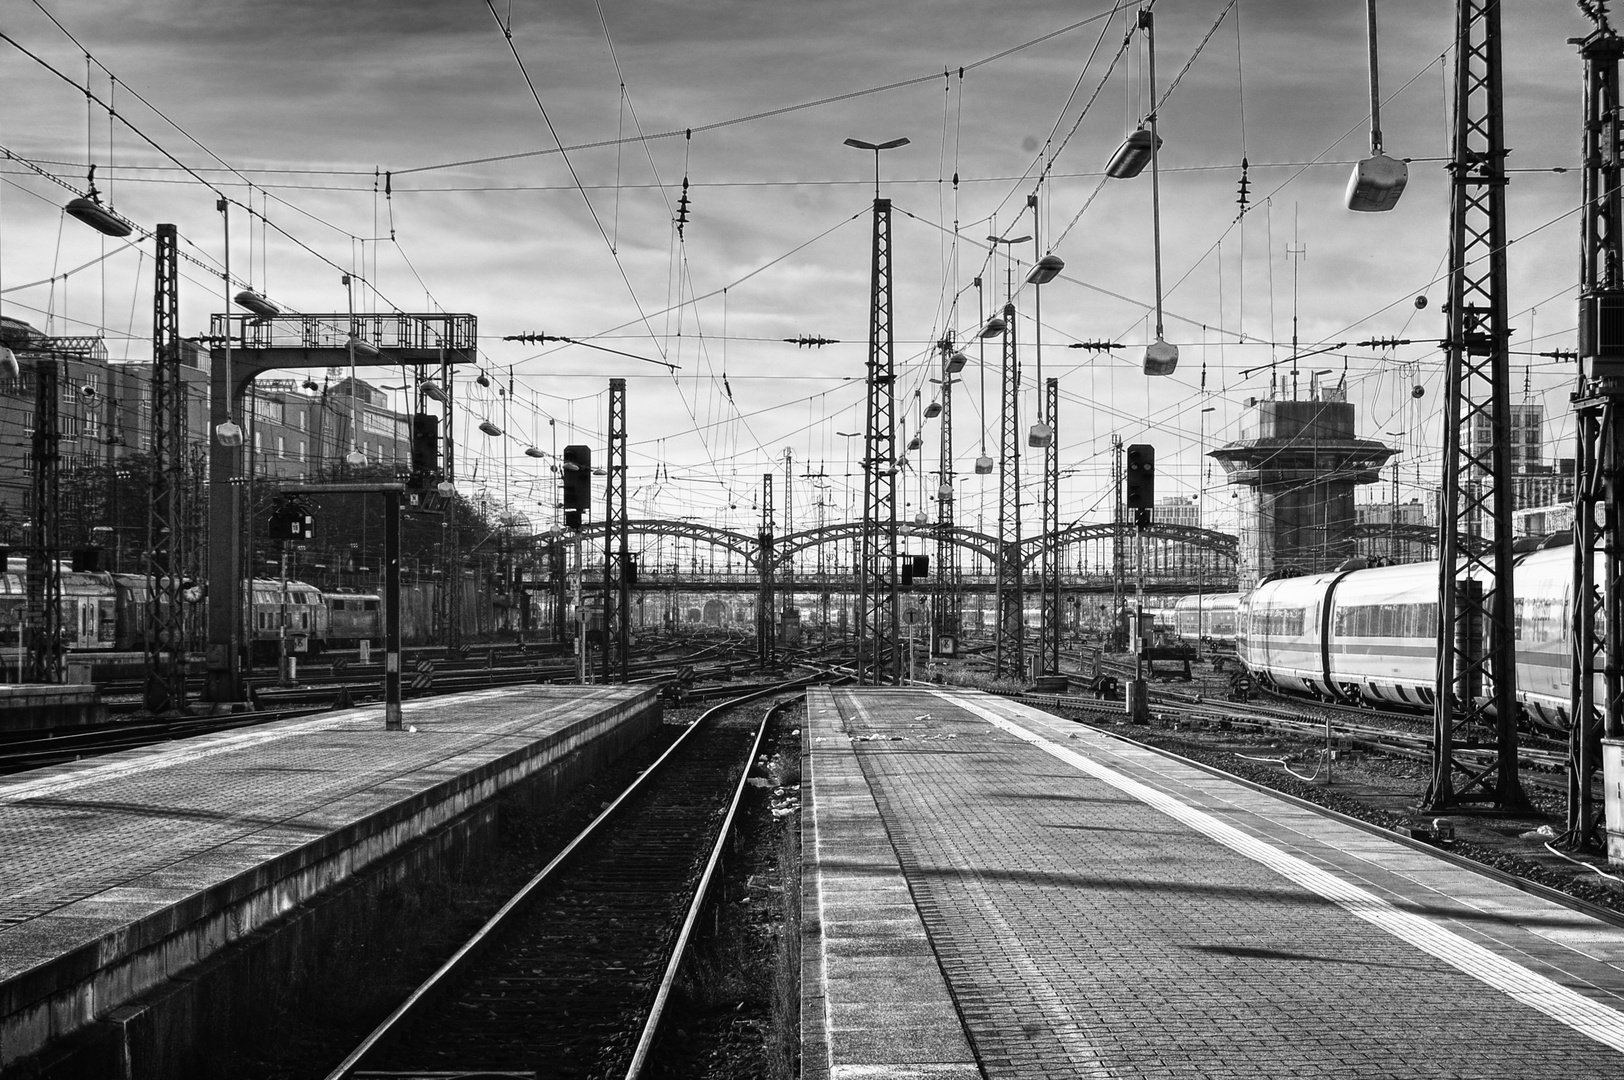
<point x="108" y="612"/>
<point x="1371" y="635"/>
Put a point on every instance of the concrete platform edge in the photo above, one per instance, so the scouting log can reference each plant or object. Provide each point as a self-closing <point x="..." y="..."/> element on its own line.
<point x="66" y="994"/>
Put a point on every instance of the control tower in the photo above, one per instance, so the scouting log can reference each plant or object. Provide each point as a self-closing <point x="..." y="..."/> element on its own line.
<point x="1296" y="464"/>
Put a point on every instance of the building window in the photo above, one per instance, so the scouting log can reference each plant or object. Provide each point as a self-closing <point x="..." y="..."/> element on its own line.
<point x="281" y="447"/>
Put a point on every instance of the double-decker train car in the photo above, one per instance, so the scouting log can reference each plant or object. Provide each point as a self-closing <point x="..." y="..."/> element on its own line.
<point x="1371" y="635"/>
<point x="1209" y="617"/>
<point x="89" y="609"/>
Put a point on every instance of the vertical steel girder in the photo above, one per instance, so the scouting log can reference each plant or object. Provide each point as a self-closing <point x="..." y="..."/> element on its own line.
<point x="1119" y="559"/>
<point x="616" y="592"/>
<point x="766" y="640"/>
<point x="1597" y="611"/>
<point x="878" y="658"/>
<point x="1050" y="648"/>
<point x="166" y="561"/>
<point x="1011" y="630"/>
<point x="1475" y="704"/>
<point x="43" y="612"/>
<point x="945" y="594"/>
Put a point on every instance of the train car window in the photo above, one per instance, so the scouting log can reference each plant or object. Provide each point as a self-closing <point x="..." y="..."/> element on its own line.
<point x="370" y="605"/>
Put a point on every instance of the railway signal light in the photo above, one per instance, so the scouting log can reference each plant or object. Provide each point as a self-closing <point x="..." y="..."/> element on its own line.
<point x="425" y="450"/>
<point x="1140" y="481"/>
<point x="628" y="568"/>
<point x="577" y="472"/>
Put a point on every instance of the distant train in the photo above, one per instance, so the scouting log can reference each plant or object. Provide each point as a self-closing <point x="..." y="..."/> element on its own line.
<point x="1209" y="617"/>
<point x="1371" y="635"/>
<point x="109" y="612"/>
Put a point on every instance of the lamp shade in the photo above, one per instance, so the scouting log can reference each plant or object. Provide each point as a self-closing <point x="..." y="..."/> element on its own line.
<point x="1046" y="270"/>
<point x="933" y="410"/>
<point x="536" y="452"/>
<point x="433" y="392"/>
<point x="254" y="302"/>
<point x="489" y="428"/>
<point x="1376" y="184"/>
<point x="994" y="327"/>
<point x="1132" y="156"/>
<point x="362" y="345"/>
<point x="9" y="368"/>
<point x="1161" y="358"/>
<point x="98" y="217"/>
<point x="1040" y="436"/>
<point x="956" y="362"/>
<point x="228" y="434"/>
<point x="983" y="465"/>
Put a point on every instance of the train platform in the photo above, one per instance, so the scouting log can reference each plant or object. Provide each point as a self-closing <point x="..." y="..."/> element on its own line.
<point x="121" y="874"/>
<point x="991" y="891"/>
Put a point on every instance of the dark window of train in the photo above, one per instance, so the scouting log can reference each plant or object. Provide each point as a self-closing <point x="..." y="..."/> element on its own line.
<point x="371" y="605"/>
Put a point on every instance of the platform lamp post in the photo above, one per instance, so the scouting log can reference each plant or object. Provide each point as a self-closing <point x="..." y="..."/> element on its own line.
<point x="880" y="614"/>
<point x="1010" y="650"/>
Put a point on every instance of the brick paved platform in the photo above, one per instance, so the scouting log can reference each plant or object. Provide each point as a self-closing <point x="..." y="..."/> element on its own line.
<point x="992" y="891"/>
<point x="121" y="872"/>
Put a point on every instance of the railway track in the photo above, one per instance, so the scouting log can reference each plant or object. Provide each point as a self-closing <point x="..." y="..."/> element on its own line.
<point x="570" y="977"/>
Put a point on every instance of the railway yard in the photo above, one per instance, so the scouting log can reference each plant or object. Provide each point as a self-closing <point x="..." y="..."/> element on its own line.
<point x="562" y="924"/>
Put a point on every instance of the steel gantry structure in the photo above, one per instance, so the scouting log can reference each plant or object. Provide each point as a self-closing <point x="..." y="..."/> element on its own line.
<point x="1475" y="703"/>
<point x="166" y="645"/>
<point x="1597" y="611"/>
<point x="616" y="553"/>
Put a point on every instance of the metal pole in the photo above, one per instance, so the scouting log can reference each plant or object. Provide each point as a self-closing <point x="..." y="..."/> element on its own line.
<point x="282" y="676"/>
<point x="391" y="630"/>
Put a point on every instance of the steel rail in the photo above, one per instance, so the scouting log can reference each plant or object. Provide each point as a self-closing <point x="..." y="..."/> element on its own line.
<point x="421" y="998"/>
<point x="651" y="1026"/>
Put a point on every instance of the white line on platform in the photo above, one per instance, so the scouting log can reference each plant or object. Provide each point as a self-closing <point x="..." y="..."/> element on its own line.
<point x="1591" y="1018"/>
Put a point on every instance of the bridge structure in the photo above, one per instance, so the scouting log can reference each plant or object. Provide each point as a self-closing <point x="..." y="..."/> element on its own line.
<point x="678" y="557"/>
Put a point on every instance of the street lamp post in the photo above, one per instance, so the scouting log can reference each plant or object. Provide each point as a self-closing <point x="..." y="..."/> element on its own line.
<point x="881" y="607"/>
<point x="1009" y="653"/>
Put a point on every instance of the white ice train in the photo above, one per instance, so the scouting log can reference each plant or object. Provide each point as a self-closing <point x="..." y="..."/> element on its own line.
<point x="1371" y="635"/>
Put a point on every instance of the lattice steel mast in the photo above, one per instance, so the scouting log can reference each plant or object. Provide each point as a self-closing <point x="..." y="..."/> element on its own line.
<point x="878" y="659"/>
<point x="1475" y="704"/>
<point x="1597" y="612"/>
<point x="945" y="595"/>
<point x="43" y="612"/>
<point x="1050" y="646"/>
<point x="766" y="644"/>
<point x="1011" y="631"/>
<point x="616" y="553"/>
<point x="166" y="651"/>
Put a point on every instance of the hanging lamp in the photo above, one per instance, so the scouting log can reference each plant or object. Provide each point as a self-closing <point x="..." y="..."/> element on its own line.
<point x="1377" y="181"/>
<point x="254" y="302"/>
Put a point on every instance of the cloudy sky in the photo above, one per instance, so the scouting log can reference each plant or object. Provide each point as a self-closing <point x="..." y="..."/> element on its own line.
<point x="301" y="110"/>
